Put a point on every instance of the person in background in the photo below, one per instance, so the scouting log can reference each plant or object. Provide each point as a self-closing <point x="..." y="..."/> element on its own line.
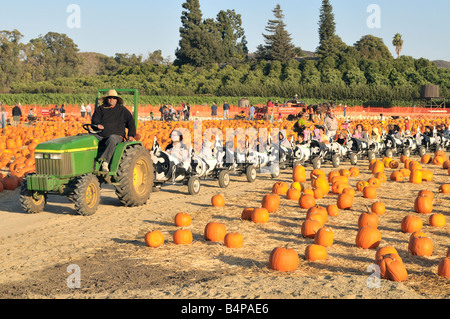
<point x="214" y="111"/>
<point x="251" y="115"/>
<point x="358" y="132"/>
<point x="323" y="136"/>
<point x="226" y="110"/>
<point x="301" y="139"/>
<point x="161" y="110"/>
<point x="428" y="132"/>
<point x="82" y="110"/>
<point x="330" y="125"/>
<point x="31" y="116"/>
<point x="446" y="130"/>
<point x="16" y="114"/>
<point x="376" y="135"/>
<point x="152" y="115"/>
<point x="88" y="110"/>
<point x="342" y="139"/>
<point x="62" y="110"/>
<point x="177" y="148"/>
<point x="280" y="117"/>
<point x="3" y="115"/>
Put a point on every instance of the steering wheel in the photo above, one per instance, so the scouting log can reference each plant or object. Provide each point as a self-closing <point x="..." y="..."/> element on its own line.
<point x="91" y="128"/>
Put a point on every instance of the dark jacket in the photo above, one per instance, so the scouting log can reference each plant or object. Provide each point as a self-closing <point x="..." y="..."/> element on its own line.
<point x="115" y="120"/>
<point x="16" y="111"/>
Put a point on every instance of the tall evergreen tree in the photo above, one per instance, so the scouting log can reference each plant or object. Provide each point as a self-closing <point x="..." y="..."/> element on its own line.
<point x="327" y="25"/>
<point x="330" y="44"/>
<point x="232" y="36"/>
<point x="191" y="32"/>
<point x="278" y="43"/>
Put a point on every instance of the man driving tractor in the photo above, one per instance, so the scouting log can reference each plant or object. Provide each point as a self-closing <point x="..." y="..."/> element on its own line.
<point x="112" y="118"/>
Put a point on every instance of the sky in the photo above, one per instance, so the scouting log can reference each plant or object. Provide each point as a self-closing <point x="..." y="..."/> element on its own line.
<point x="143" y="26"/>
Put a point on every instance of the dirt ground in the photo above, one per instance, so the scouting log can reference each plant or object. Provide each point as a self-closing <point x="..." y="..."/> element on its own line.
<point x="36" y="251"/>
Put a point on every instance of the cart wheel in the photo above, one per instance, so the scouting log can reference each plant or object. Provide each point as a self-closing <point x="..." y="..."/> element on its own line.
<point x="371" y="155"/>
<point x="316" y="163"/>
<point x="389" y="153"/>
<point x="422" y="151"/>
<point x="353" y="159"/>
<point x="275" y="170"/>
<point x="336" y="160"/>
<point x="194" y="185"/>
<point x="224" y="179"/>
<point x="250" y="172"/>
<point x="407" y="152"/>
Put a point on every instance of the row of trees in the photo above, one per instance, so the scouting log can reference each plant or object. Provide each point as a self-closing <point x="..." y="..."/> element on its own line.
<point x="212" y="60"/>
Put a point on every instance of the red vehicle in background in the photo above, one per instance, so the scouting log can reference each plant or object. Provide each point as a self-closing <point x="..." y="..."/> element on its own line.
<point x="290" y="110"/>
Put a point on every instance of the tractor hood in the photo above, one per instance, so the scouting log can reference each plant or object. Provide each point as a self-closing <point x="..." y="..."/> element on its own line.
<point x="68" y="144"/>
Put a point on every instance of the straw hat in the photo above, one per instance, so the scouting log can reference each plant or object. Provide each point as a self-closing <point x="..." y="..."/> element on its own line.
<point x="113" y="93"/>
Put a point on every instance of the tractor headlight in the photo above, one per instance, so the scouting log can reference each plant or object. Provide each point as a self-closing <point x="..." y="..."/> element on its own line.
<point x="47" y="156"/>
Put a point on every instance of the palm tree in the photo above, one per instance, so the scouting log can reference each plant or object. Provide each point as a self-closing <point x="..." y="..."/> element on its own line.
<point x="398" y="43"/>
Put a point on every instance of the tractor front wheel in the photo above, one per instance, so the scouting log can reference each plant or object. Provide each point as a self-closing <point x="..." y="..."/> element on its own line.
<point x="86" y="195"/>
<point x="32" y="202"/>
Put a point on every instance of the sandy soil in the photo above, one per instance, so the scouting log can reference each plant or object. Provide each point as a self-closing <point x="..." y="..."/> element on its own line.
<point x="36" y="250"/>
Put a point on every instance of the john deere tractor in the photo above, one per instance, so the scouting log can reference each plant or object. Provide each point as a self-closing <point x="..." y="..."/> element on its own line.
<point x="69" y="166"/>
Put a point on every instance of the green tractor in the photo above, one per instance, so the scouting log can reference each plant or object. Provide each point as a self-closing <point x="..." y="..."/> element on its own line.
<point x="69" y="166"/>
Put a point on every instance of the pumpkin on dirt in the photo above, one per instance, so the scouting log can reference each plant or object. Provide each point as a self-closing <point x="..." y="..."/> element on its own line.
<point x="218" y="200"/>
<point x="444" y="267"/>
<point x="284" y="259"/>
<point x="280" y="188"/>
<point x="247" y="213"/>
<point x="423" y="205"/>
<point x="392" y="267"/>
<point x="260" y="216"/>
<point x="437" y="220"/>
<point x="233" y="240"/>
<point x="271" y="202"/>
<point x="215" y="232"/>
<point x="324" y="237"/>
<point x="307" y="201"/>
<point x="368" y="238"/>
<point x="183" y="219"/>
<point x="421" y="246"/>
<point x="154" y="238"/>
<point x="315" y="252"/>
<point x="182" y="237"/>
<point x="411" y="224"/>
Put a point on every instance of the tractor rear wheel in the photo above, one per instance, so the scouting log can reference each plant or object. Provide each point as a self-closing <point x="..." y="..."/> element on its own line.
<point x="135" y="177"/>
<point x="32" y="203"/>
<point x="86" y="194"/>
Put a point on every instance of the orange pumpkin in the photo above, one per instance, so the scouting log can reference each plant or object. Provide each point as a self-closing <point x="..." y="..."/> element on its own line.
<point x="315" y="252"/>
<point x="283" y="259"/>
<point x="271" y="202"/>
<point x="218" y="200"/>
<point x="260" y="216"/>
<point x="154" y="238"/>
<point x="234" y="240"/>
<point x="182" y="237"/>
<point x="215" y="232"/>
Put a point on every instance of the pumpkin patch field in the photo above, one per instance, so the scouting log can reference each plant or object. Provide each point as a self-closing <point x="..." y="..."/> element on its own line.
<point x="377" y="230"/>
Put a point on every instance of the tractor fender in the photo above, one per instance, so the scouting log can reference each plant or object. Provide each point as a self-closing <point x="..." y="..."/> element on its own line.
<point x="120" y="148"/>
